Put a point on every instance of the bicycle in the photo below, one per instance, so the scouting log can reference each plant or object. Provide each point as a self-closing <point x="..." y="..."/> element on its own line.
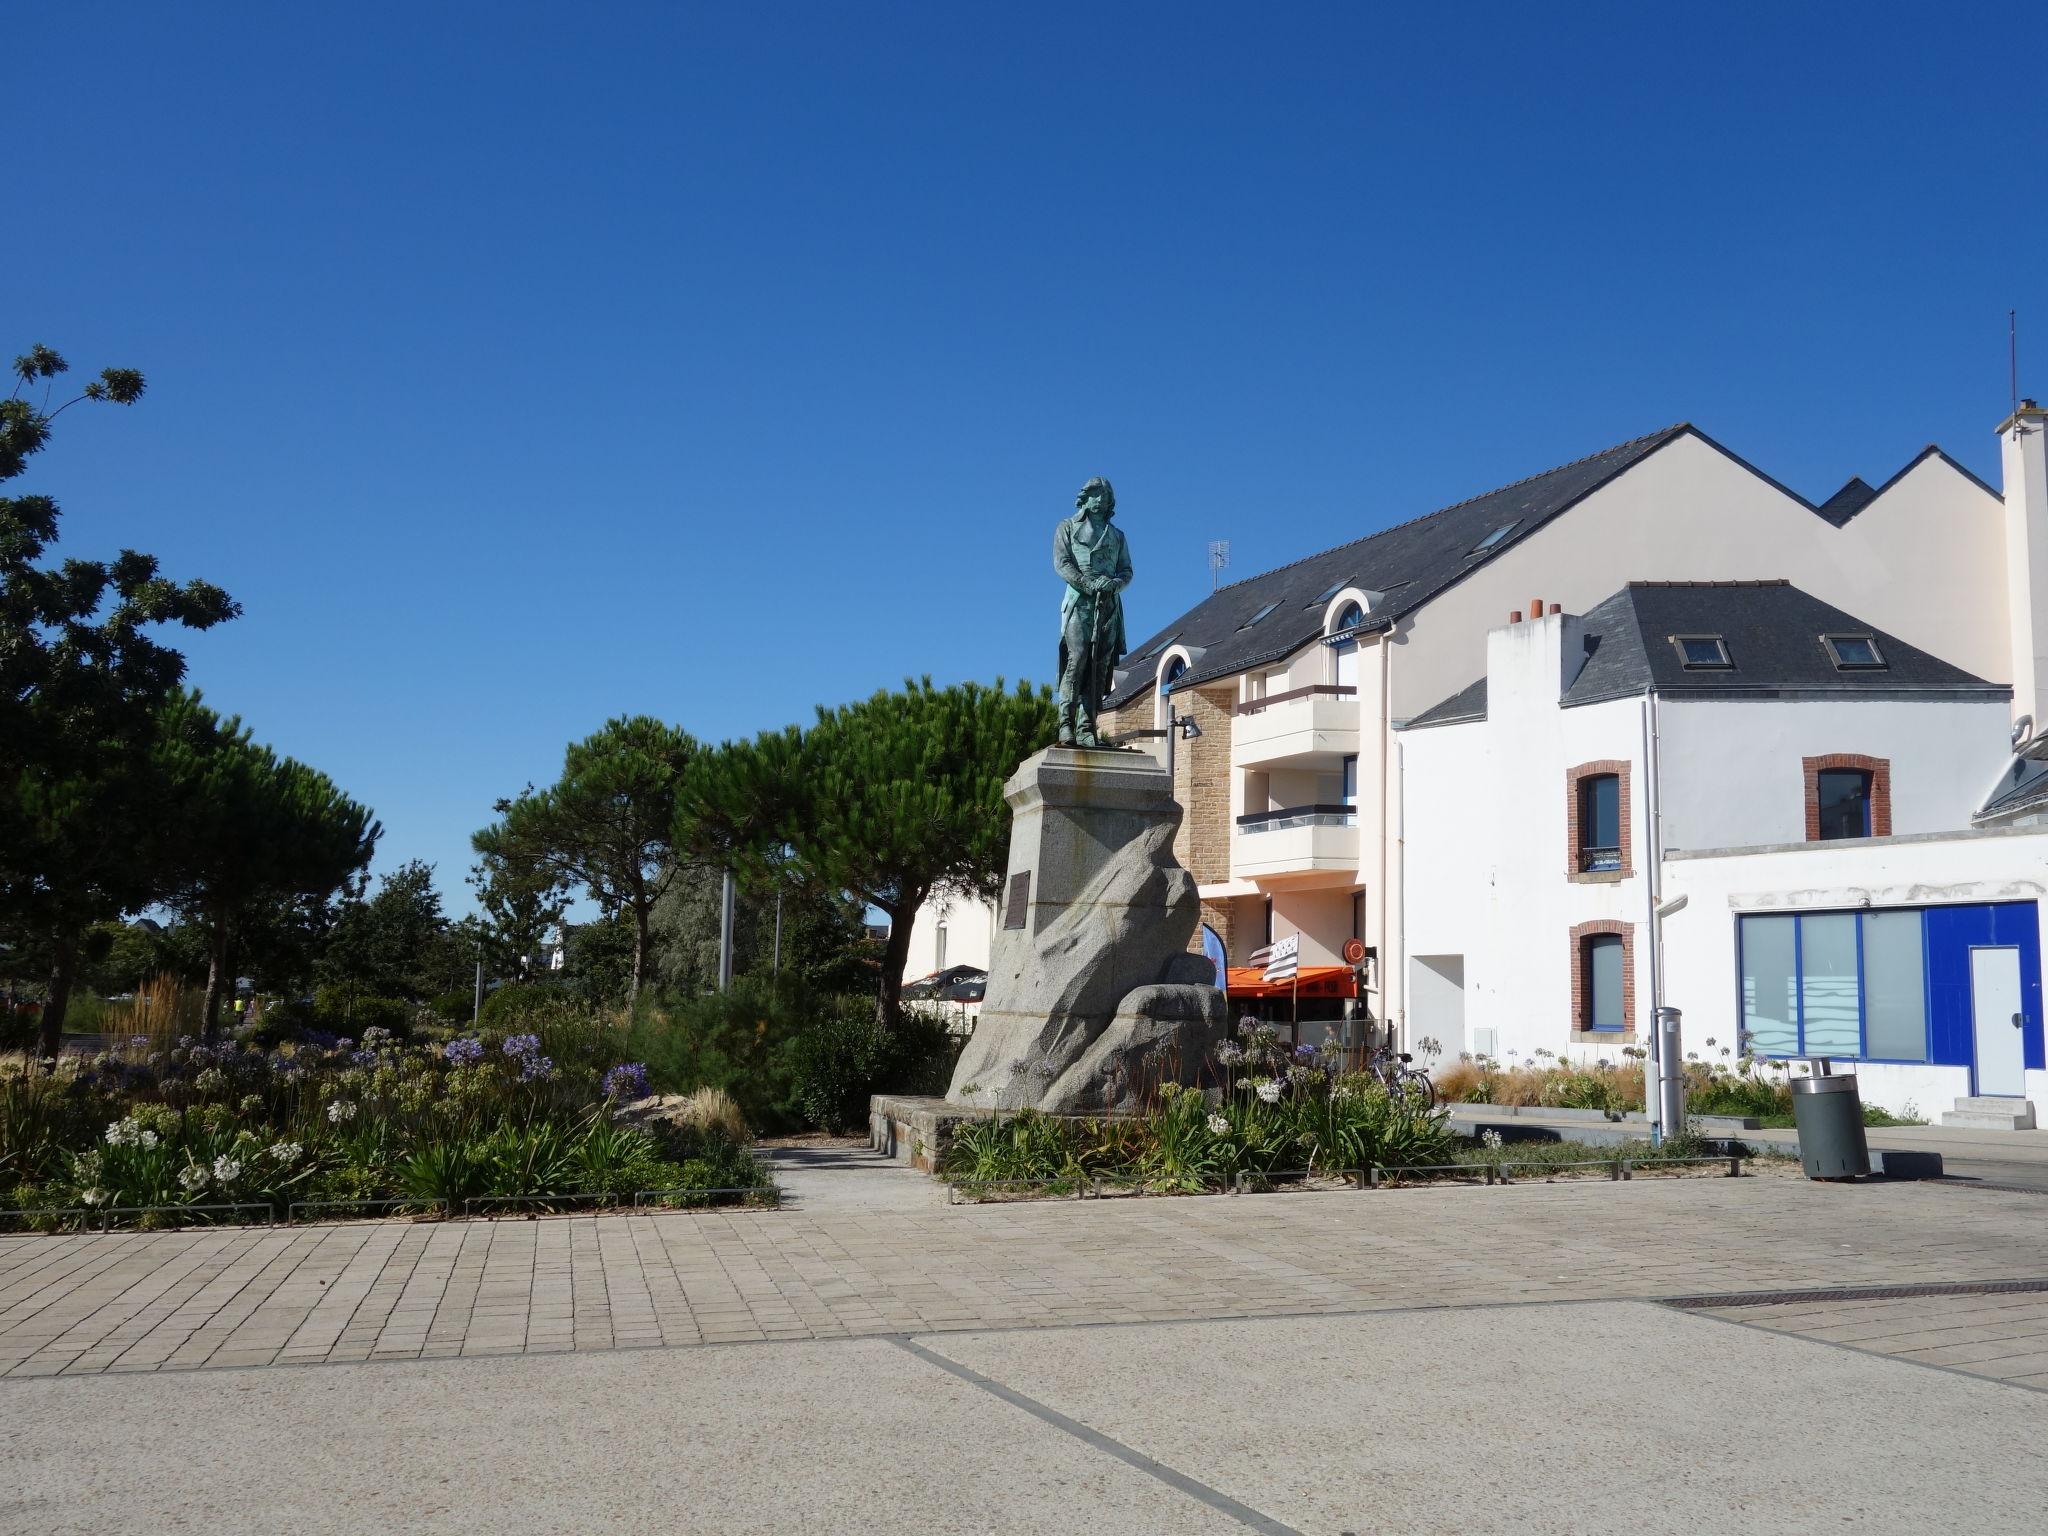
<point x="1404" y="1082"/>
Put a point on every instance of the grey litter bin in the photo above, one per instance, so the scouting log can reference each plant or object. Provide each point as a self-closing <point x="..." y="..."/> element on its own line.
<point x="1829" y="1114"/>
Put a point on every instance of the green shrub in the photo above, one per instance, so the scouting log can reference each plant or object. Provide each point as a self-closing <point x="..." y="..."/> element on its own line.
<point x="510" y="1009"/>
<point x="741" y="1040"/>
<point x="339" y="1011"/>
<point x="454" y="1007"/>
<point x="847" y="1055"/>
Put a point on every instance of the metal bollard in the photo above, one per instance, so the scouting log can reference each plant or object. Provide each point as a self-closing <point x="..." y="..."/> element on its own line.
<point x="1670" y="1073"/>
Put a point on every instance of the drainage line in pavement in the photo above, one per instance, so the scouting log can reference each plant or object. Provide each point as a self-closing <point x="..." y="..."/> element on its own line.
<point x="1244" y="1514"/>
<point x="1858" y="1293"/>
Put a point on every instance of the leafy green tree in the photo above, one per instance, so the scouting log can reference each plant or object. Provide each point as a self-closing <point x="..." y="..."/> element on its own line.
<point x="521" y="905"/>
<point x="81" y="681"/>
<point x="606" y="825"/>
<point x="397" y="943"/>
<point x="597" y="960"/>
<point x="255" y="838"/>
<point x="825" y="947"/>
<point x="888" y="799"/>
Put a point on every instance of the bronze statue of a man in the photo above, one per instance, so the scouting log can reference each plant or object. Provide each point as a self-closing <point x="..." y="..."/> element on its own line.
<point x="1094" y="560"/>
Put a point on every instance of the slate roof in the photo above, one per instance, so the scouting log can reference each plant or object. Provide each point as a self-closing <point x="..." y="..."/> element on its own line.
<point x="1467" y="704"/>
<point x="1772" y="630"/>
<point x="1411" y="563"/>
<point x="2023" y="787"/>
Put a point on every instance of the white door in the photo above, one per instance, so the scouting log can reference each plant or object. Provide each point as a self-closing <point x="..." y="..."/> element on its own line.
<point x="1996" y="1018"/>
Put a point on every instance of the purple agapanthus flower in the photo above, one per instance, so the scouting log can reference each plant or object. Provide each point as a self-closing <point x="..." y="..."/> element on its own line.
<point x="464" y="1052"/>
<point x="534" y="1068"/>
<point x="628" y="1080"/>
<point x="363" y="1058"/>
<point x="521" y="1045"/>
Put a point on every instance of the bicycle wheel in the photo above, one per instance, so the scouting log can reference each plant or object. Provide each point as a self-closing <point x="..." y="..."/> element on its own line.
<point x="1418" y="1091"/>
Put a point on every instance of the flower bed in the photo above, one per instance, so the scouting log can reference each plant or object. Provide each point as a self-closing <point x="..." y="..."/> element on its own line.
<point x="152" y="1135"/>
<point x="1273" y="1113"/>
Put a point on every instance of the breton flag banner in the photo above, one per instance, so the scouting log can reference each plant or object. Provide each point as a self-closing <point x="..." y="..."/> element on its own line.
<point x="1281" y="958"/>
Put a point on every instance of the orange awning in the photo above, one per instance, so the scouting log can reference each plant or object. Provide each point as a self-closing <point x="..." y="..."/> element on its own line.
<point x="1315" y="981"/>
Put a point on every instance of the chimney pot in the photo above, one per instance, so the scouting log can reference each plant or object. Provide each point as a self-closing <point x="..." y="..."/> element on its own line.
<point x="1514" y="615"/>
<point x="1535" y="607"/>
<point x="1556" y="608"/>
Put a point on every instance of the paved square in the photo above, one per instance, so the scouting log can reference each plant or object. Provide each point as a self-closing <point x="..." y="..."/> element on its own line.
<point x="390" y="1290"/>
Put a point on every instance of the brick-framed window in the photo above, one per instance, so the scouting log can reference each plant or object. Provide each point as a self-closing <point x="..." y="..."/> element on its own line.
<point x="1587" y="940"/>
<point x="1877" y="772"/>
<point x="1580" y="862"/>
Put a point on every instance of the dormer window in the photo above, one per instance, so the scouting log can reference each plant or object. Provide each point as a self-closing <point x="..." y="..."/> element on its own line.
<point x="1486" y="544"/>
<point x="1854" y="653"/>
<point x="1349" y="617"/>
<point x="1248" y="623"/>
<point x="1703" y="653"/>
<point x="1172" y="672"/>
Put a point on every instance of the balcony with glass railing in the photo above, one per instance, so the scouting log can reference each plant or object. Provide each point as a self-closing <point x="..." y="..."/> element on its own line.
<point x="1300" y="723"/>
<point x="1295" y="840"/>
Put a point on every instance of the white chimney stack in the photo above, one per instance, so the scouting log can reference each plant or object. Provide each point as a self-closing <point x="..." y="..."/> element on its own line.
<point x="2024" y="451"/>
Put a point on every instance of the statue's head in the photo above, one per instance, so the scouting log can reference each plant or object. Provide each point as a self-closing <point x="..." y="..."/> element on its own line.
<point x="1097" y="495"/>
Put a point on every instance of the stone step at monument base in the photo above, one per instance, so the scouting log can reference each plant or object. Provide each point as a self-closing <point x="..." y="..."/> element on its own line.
<point x="1991" y="1114"/>
<point x="916" y="1130"/>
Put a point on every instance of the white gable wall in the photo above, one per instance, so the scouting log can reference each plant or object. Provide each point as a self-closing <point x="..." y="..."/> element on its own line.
<point x="1926" y="561"/>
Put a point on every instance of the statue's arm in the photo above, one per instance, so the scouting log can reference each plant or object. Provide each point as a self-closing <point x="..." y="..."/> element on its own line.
<point x="1063" y="558"/>
<point x="1123" y="562"/>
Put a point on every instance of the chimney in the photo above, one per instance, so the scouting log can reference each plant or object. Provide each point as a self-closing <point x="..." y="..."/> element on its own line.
<point x="2024" y="455"/>
<point x="1556" y="609"/>
<point x="1514" y="615"/>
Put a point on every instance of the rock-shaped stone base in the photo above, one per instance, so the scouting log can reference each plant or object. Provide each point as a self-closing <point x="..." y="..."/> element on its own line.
<point x="1093" y="999"/>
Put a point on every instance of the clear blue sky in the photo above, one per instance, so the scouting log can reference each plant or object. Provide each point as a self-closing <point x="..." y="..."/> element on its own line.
<point x="520" y="365"/>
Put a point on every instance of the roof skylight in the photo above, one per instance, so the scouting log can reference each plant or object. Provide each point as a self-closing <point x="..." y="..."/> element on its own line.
<point x="1493" y="538"/>
<point x="1162" y="645"/>
<point x="1329" y="592"/>
<point x="1703" y="653"/>
<point x="1248" y="623"/>
<point x="1854" y="653"/>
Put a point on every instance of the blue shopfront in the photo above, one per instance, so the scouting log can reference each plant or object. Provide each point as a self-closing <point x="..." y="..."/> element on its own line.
<point x="1956" y="986"/>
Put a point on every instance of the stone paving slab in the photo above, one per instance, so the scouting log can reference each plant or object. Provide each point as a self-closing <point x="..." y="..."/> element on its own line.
<point x="1490" y="1421"/>
<point x="1581" y="1417"/>
<point x="845" y="1436"/>
<point x="2003" y="1337"/>
<point x="143" y="1302"/>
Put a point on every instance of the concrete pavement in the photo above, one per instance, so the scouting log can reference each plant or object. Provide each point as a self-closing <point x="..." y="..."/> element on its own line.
<point x="1581" y="1417"/>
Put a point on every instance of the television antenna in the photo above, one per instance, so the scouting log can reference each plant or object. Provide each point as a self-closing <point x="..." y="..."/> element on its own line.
<point x="1219" y="557"/>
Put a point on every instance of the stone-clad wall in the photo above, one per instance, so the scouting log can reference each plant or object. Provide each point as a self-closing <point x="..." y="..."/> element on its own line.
<point x="1202" y="783"/>
<point x="1222" y="916"/>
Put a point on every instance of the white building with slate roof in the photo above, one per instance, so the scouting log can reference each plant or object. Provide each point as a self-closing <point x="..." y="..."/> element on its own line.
<point x="1304" y="810"/>
<point x="1605" y="769"/>
<point x="1786" y="722"/>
